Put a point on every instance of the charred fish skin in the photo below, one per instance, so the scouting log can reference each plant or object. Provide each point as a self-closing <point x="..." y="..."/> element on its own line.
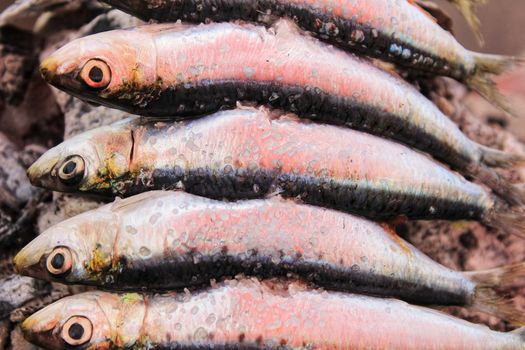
<point x="247" y="153"/>
<point x="395" y="31"/>
<point x="172" y="69"/>
<point x="167" y="240"/>
<point x="248" y="314"/>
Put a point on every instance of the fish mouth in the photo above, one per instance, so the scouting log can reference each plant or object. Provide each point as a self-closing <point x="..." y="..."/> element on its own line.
<point x="42" y="173"/>
<point x="66" y="82"/>
<point x="52" y="73"/>
<point x="39" y="327"/>
<point x="29" y="261"/>
<point x="69" y="83"/>
<point x="37" y="177"/>
<point x="48" y="69"/>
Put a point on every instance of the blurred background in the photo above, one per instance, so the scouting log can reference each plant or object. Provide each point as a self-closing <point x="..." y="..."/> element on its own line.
<point x="502" y="24"/>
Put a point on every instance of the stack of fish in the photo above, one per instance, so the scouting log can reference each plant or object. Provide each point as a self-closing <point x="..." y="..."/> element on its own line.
<point x="335" y="136"/>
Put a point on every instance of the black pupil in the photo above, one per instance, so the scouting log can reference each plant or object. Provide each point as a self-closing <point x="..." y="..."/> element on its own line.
<point x="69" y="168"/>
<point x="58" y="261"/>
<point x="96" y="74"/>
<point x="76" y="331"/>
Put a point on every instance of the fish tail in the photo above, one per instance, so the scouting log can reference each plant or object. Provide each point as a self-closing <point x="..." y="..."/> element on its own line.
<point x="500" y="159"/>
<point x="481" y="81"/>
<point x="491" y="284"/>
<point x="487" y="300"/>
<point x="510" y="193"/>
<point x="502" y="278"/>
<point x="510" y="220"/>
<point x="467" y="9"/>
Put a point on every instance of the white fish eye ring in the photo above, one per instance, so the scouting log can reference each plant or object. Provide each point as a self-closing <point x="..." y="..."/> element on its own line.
<point x="77" y="330"/>
<point x="59" y="261"/>
<point x="71" y="171"/>
<point x="96" y="74"/>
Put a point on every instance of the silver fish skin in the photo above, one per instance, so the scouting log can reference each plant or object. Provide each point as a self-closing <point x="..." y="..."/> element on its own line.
<point x="169" y="70"/>
<point x="164" y="240"/>
<point x="250" y="314"/>
<point x="248" y="153"/>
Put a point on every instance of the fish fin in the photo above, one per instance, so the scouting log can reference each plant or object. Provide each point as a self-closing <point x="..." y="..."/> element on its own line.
<point x="487" y="300"/>
<point x="274" y="193"/>
<point x="510" y="193"/>
<point x="487" y="65"/>
<point x="509" y="220"/>
<point x="486" y="297"/>
<point x="467" y="9"/>
<point x="500" y="159"/>
<point x="286" y="28"/>
<point x="503" y="277"/>
<point x="133" y="201"/>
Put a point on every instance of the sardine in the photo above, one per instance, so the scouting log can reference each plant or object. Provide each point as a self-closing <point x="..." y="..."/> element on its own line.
<point x="248" y="314"/>
<point x="175" y="70"/>
<point x="162" y="240"/>
<point x="248" y="153"/>
<point x="396" y="31"/>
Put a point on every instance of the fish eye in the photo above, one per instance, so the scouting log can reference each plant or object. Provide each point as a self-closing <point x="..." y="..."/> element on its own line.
<point x="71" y="171"/>
<point x="77" y="331"/>
<point x="59" y="261"/>
<point x="96" y="74"/>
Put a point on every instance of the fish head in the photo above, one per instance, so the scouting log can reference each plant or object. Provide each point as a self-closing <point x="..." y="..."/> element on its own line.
<point x="82" y="321"/>
<point x="108" y="68"/>
<point x="92" y="162"/>
<point x="77" y="250"/>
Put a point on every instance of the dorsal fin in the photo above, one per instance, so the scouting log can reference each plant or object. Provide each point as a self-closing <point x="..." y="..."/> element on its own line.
<point x="135" y="201"/>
